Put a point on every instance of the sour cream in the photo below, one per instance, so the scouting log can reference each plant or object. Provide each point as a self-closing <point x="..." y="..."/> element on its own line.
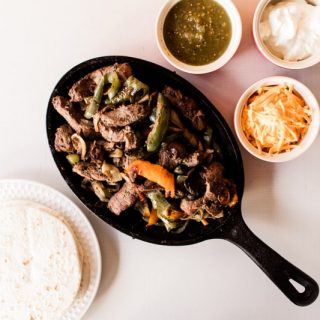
<point x="291" y="29"/>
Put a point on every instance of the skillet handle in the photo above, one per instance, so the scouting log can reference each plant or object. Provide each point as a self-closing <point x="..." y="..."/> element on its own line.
<point x="278" y="269"/>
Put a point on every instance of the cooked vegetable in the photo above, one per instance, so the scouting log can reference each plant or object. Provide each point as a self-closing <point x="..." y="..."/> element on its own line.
<point x="112" y="172"/>
<point x="154" y="173"/>
<point x="136" y="87"/>
<point x="207" y="136"/>
<point x="116" y="153"/>
<point x="113" y="78"/>
<point x="80" y="145"/>
<point x="101" y="191"/>
<point x="153" y="218"/>
<point x="165" y="212"/>
<point x="133" y="90"/>
<point x="143" y="207"/>
<point x="160" y="126"/>
<point x="186" y="133"/>
<point x="93" y="107"/>
<point x="73" y="158"/>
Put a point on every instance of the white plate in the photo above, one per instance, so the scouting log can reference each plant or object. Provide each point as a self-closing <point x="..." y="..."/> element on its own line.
<point x="42" y="194"/>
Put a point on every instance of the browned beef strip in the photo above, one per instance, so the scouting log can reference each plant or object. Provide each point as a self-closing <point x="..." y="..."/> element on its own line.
<point x="96" y="150"/>
<point x="62" y="141"/>
<point x="124" y="115"/>
<point x="123" y="199"/>
<point x="148" y="186"/>
<point x="214" y="171"/>
<point x="90" y="170"/>
<point x="192" y="159"/>
<point x="109" y="146"/>
<point x="123" y="70"/>
<point x="126" y="135"/>
<point x="191" y="206"/>
<point x="218" y="192"/>
<point x="186" y="106"/>
<point x="68" y="111"/>
<point x="173" y="154"/>
<point x="86" y="85"/>
<point x="218" y="189"/>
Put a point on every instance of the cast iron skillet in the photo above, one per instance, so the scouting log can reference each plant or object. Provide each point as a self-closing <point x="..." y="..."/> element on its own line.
<point x="232" y="227"/>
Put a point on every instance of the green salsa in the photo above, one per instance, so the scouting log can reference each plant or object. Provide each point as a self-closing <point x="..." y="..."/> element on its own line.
<point x="197" y="32"/>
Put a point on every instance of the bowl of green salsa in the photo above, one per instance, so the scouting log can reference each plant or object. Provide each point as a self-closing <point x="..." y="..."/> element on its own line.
<point x="198" y="36"/>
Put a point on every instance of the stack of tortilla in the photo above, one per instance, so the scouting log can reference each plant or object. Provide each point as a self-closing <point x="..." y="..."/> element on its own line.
<point x="40" y="262"/>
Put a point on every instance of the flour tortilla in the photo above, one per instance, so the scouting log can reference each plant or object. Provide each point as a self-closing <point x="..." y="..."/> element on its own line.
<point x="40" y="262"/>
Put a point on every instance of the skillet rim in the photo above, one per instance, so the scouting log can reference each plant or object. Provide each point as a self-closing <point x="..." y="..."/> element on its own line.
<point x="209" y="109"/>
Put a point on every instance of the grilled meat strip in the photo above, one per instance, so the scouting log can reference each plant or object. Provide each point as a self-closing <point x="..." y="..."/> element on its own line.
<point x="173" y="154"/>
<point x="62" y="141"/>
<point x="191" y="206"/>
<point x="90" y="170"/>
<point x="186" y="106"/>
<point x="123" y="199"/>
<point x="86" y="85"/>
<point x="219" y="192"/>
<point x="124" y="115"/>
<point x="68" y="111"/>
<point x="126" y="135"/>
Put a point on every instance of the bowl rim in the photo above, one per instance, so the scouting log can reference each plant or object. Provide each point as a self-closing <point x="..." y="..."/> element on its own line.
<point x="294" y="65"/>
<point x="234" y="43"/>
<point x="308" y="139"/>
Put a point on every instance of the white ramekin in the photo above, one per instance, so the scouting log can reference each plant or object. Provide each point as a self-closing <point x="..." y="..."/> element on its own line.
<point x="236" y="26"/>
<point x="312" y="60"/>
<point x="308" y="139"/>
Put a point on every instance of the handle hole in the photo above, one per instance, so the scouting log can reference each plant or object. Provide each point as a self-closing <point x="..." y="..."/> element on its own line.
<point x="299" y="287"/>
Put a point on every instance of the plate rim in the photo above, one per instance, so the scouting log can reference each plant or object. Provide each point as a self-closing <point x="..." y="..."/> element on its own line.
<point x="78" y="214"/>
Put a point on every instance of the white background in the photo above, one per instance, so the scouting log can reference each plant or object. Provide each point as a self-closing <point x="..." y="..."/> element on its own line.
<point x="40" y="41"/>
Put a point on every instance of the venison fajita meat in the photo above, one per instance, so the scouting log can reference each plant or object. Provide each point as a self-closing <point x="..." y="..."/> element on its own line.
<point x="187" y="106"/>
<point x="123" y="199"/>
<point x="73" y="116"/>
<point x="85" y="86"/>
<point x="218" y="193"/>
<point x="171" y="154"/>
<point x="144" y="148"/>
<point x="125" y="135"/>
<point x="124" y="115"/>
<point x="174" y="153"/>
<point x="62" y="142"/>
<point x="90" y="170"/>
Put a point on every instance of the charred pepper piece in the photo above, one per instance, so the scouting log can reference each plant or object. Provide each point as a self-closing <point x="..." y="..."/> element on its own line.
<point x="113" y="78"/>
<point x="109" y="77"/>
<point x="161" y="124"/>
<point x="133" y="90"/>
<point x="165" y="212"/>
<point x="93" y="107"/>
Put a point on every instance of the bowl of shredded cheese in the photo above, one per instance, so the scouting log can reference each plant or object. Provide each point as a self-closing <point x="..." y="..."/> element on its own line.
<point x="277" y="119"/>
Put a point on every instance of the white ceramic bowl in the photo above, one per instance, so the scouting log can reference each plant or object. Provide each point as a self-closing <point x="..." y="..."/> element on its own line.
<point x="308" y="139"/>
<point x="312" y="60"/>
<point x="236" y="26"/>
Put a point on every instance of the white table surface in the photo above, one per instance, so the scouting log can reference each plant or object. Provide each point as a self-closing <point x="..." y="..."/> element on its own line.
<point x="40" y="41"/>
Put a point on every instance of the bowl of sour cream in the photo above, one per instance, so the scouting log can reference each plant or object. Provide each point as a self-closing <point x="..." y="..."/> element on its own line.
<point x="287" y="32"/>
<point x="198" y="36"/>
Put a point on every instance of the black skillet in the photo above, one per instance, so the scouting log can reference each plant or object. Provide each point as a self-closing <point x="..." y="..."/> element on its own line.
<point x="232" y="227"/>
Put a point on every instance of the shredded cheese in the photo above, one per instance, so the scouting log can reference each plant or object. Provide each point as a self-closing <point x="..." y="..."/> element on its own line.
<point x="275" y="119"/>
